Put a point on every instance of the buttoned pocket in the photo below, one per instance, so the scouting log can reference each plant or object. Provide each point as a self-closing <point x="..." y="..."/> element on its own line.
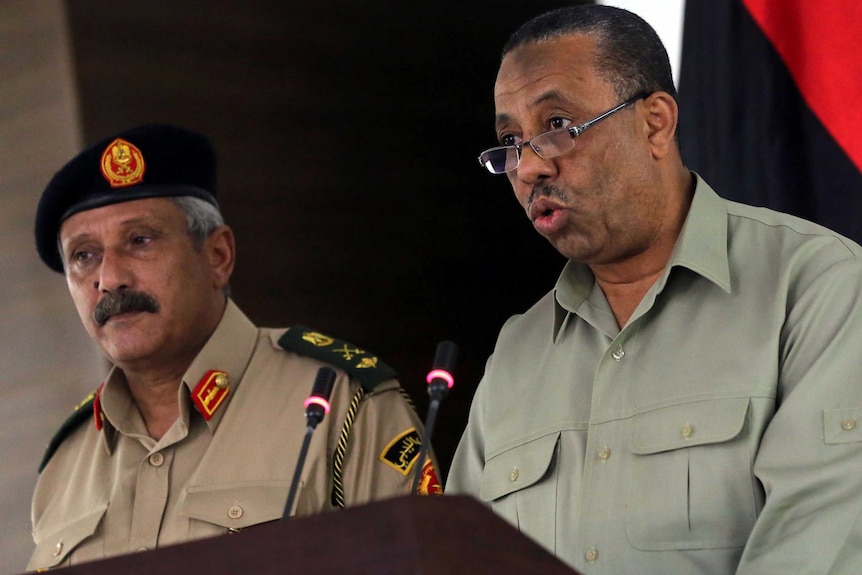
<point x="52" y="550"/>
<point x="234" y="505"/>
<point x="520" y="484"/>
<point x="842" y="425"/>
<point x="691" y="484"/>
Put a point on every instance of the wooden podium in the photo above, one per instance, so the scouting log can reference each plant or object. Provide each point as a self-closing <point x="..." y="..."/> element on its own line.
<point x="408" y="535"/>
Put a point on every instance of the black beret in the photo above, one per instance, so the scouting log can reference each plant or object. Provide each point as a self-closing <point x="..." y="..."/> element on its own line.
<point x="156" y="160"/>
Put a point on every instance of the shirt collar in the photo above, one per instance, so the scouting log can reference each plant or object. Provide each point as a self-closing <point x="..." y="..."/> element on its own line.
<point x="229" y="349"/>
<point x="701" y="247"/>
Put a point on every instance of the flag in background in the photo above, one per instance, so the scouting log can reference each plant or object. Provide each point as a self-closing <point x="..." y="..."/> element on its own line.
<point x="771" y="105"/>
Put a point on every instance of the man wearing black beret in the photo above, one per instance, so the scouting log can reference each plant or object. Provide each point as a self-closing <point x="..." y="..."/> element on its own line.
<point x="196" y="429"/>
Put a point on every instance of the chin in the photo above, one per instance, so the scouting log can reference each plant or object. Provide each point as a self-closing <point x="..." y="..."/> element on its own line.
<point x="128" y="350"/>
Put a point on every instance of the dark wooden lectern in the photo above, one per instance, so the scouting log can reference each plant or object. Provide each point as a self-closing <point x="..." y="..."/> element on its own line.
<point x="408" y="535"/>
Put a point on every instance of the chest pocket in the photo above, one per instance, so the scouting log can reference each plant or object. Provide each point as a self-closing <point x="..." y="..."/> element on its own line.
<point x="520" y="484"/>
<point x="54" y="550"/>
<point x="214" y="509"/>
<point x="691" y="484"/>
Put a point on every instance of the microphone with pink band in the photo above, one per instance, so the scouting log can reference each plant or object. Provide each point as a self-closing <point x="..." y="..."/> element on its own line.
<point x="316" y="406"/>
<point x="439" y="380"/>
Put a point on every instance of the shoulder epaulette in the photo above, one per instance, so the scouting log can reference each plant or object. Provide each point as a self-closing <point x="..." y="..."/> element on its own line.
<point x="82" y="412"/>
<point x="361" y="364"/>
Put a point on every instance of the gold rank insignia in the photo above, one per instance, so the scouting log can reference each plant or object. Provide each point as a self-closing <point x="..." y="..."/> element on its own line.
<point x="122" y="164"/>
<point x="210" y="392"/>
<point x="317" y="339"/>
<point x="362" y="365"/>
<point x="402" y="452"/>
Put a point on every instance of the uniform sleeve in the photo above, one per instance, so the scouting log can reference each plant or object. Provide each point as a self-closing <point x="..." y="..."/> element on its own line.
<point x="810" y="457"/>
<point x="384" y="446"/>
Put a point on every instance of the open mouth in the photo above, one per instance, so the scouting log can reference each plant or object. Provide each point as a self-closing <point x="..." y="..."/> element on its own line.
<point x="543" y="209"/>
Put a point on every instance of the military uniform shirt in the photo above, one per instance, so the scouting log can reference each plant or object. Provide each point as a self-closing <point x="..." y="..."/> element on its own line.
<point x="118" y="490"/>
<point x="718" y="432"/>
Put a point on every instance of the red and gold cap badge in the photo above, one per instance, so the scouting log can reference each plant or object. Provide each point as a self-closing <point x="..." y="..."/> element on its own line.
<point x="122" y="164"/>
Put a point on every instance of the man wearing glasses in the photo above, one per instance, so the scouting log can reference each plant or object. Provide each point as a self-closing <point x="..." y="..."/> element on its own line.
<point x="687" y="398"/>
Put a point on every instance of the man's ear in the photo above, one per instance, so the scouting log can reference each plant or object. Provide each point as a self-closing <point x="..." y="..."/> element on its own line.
<point x="220" y="246"/>
<point x="662" y="115"/>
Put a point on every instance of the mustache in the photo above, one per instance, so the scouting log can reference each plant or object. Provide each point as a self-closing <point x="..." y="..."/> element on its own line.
<point x="125" y="301"/>
<point x="546" y="191"/>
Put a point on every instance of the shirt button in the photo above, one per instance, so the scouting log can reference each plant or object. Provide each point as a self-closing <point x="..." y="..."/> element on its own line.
<point x="156" y="459"/>
<point x="58" y="548"/>
<point x="514" y="475"/>
<point x="235" y="512"/>
<point x="591" y="555"/>
<point x="687" y="431"/>
<point x="604" y="453"/>
<point x="848" y="424"/>
<point x="618" y="353"/>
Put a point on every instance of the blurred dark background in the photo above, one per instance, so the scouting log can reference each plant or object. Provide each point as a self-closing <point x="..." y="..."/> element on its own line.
<point x="347" y="134"/>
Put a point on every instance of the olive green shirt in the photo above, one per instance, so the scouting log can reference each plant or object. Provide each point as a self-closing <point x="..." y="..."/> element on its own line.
<point x="118" y="490"/>
<point x="720" y="431"/>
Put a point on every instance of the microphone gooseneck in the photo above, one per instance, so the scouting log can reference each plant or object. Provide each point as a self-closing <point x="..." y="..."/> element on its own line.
<point x="439" y="380"/>
<point x="316" y="407"/>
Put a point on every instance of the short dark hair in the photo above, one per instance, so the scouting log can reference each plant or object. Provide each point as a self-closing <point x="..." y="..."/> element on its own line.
<point x="629" y="53"/>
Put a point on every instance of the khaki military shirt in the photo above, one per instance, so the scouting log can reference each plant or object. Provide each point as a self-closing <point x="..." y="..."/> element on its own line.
<point x="116" y="490"/>
<point x="719" y="432"/>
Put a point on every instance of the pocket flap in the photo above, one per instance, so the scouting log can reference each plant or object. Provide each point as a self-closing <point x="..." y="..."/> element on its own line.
<point x="688" y="425"/>
<point x="52" y="549"/>
<point x="518" y="467"/>
<point x="237" y="505"/>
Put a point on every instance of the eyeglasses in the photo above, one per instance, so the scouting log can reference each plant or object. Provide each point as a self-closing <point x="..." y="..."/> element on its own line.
<point x="547" y="145"/>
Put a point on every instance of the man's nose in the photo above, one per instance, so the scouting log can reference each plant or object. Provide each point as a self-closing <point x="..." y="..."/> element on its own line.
<point x="532" y="168"/>
<point x="114" y="273"/>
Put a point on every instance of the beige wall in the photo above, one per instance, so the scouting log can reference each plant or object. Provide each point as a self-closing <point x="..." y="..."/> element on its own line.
<point x="47" y="362"/>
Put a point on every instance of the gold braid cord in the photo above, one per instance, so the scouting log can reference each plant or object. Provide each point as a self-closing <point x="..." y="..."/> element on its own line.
<point x="409" y="400"/>
<point x="341" y="450"/>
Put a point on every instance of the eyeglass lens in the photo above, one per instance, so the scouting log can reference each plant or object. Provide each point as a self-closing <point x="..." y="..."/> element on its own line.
<point x="547" y="145"/>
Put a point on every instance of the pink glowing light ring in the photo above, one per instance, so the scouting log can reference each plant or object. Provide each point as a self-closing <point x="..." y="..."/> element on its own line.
<point x="319" y="401"/>
<point x="441" y="374"/>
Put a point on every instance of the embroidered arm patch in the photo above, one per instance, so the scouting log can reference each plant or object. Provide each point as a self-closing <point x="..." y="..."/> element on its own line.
<point x="402" y="452"/>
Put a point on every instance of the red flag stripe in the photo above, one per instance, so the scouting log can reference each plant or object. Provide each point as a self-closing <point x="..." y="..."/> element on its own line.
<point x="821" y="44"/>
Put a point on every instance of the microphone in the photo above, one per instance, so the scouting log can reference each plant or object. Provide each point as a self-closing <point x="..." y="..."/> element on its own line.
<point x="316" y="407"/>
<point x="439" y="380"/>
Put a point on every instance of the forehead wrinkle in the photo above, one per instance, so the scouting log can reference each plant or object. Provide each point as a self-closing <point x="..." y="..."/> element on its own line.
<point x="553" y="96"/>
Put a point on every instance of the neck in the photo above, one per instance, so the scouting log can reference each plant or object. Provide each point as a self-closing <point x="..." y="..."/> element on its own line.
<point x="156" y="398"/>
<point x="626" y="281"/>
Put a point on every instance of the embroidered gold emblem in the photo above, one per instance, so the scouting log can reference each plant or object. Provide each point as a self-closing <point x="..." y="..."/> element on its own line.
<point x="86" y="400"/>
<point x="348" y="353"/>
<point x="122" y="164"/>
<point x="210" y="392"/>
<point x="367" y="363"/>
<point x="317" y="339"/>
<point x="402" y="452"/>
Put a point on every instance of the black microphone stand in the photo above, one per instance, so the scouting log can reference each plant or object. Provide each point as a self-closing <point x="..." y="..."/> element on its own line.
<point x="439" y="381"/>
<point x="316" y="406"/>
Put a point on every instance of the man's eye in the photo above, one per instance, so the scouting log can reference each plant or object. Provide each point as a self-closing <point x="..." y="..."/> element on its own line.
<point x="81" y="256"/>
<point x="557" y="123"/>
<point x="140" y="240"/>
<point x="508" y="140"/>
